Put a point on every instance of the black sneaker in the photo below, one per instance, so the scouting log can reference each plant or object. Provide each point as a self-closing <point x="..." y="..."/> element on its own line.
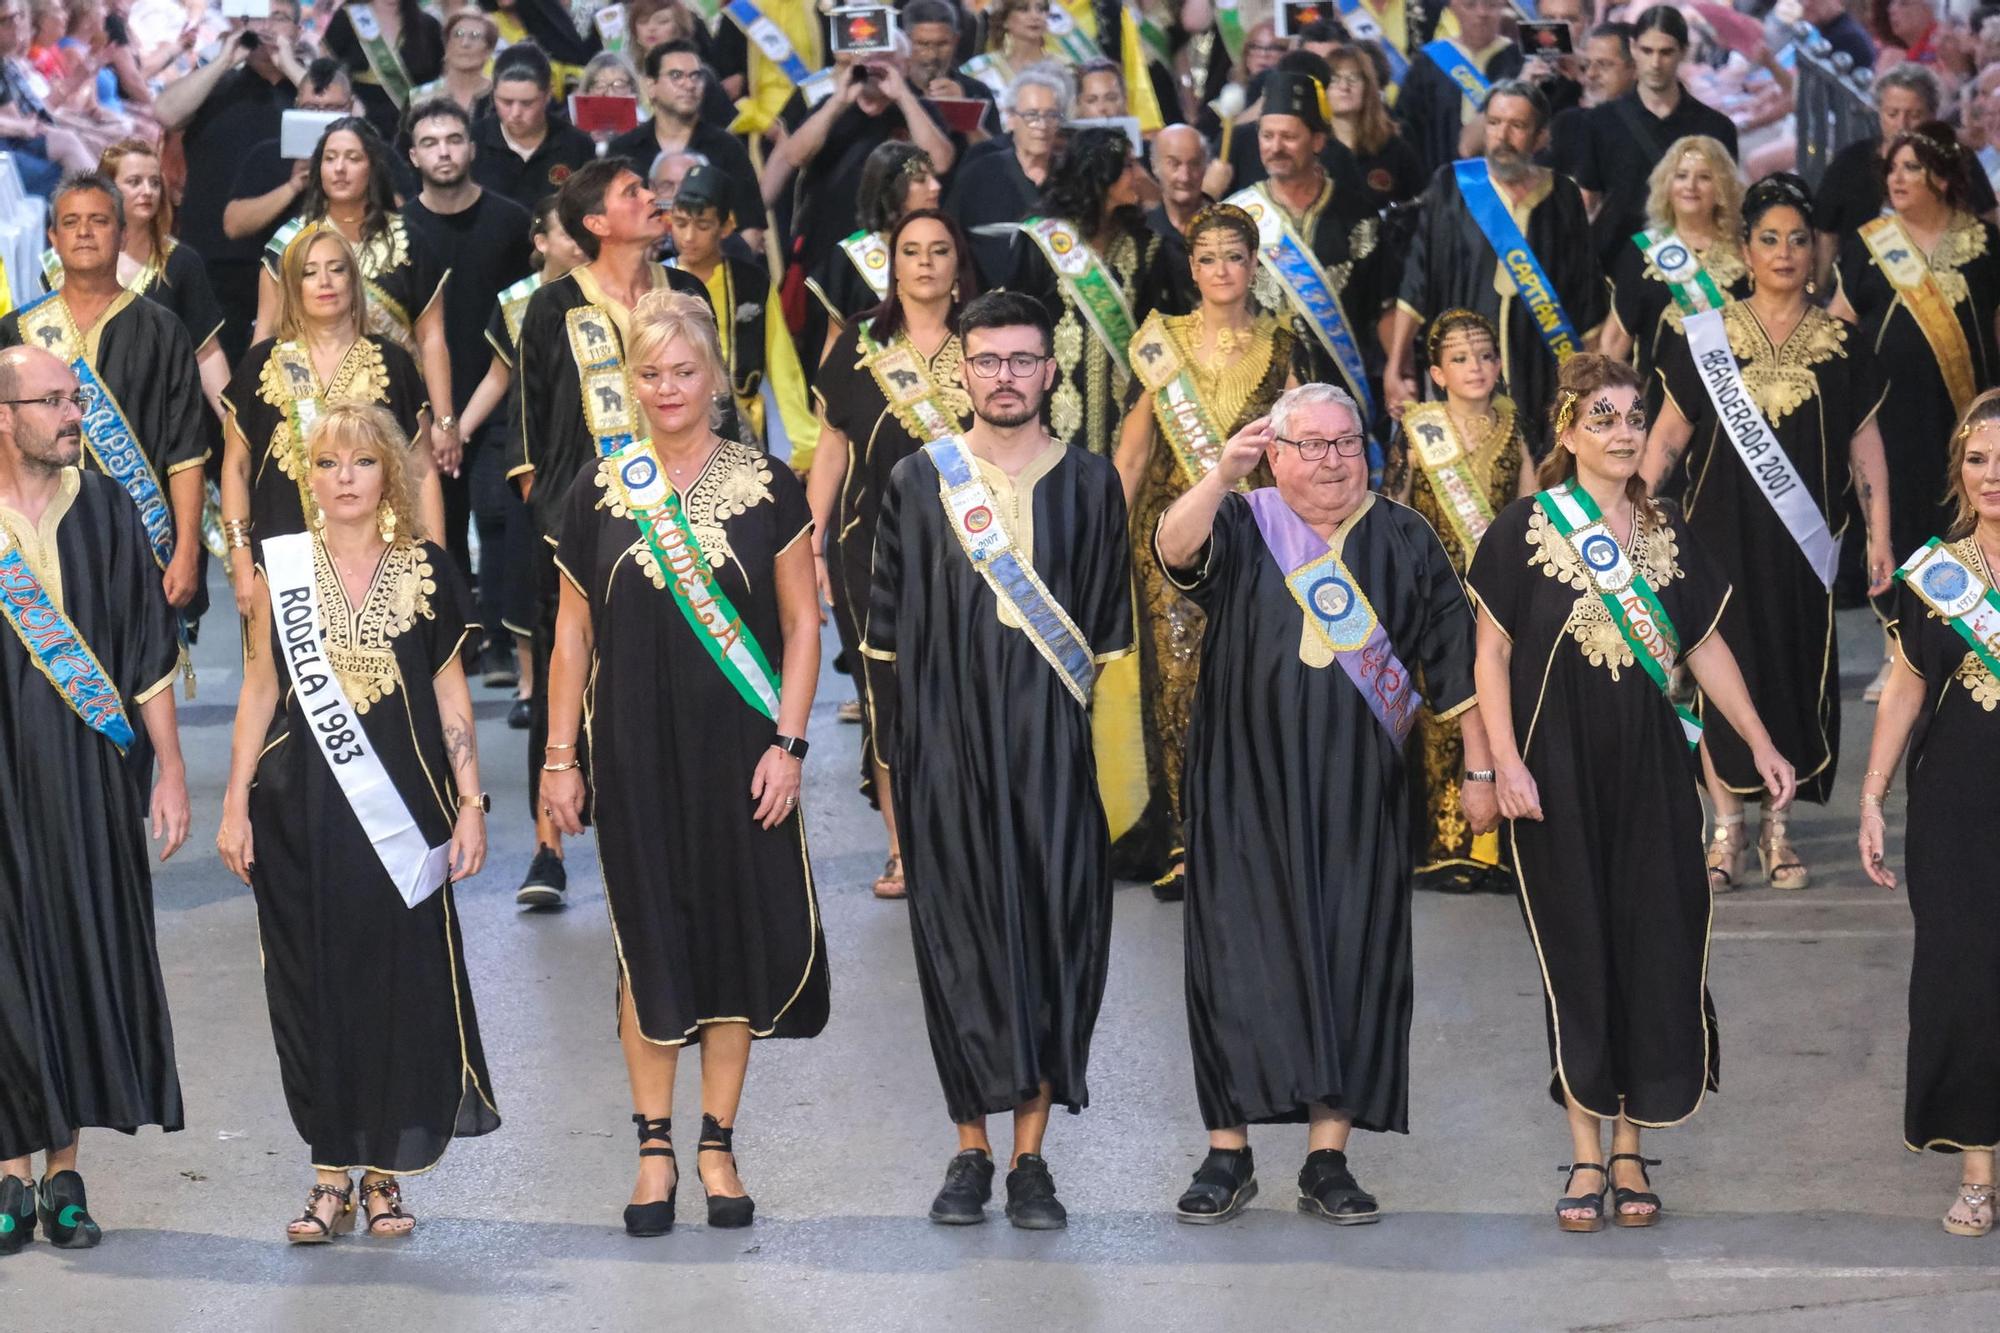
<point x="546" y="883"/>
<point x="17" y="1213"/>
<point x="521" y="716"/>
<point x="968" y="1184"/>
<point x="65" y="1213"/>
<point x="1031" y="1196"/>
<point x="498" y="668"/>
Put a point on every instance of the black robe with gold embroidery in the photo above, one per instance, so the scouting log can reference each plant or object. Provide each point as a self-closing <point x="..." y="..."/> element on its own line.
<point x="713" y="916"/>
<point x="1298" y="857"/>
<point x="85" y="1039"/>
<point x="382" y="1074"/>
<point x="402" y="278"/>
<point x="1815" y="392"/>
<point x="1640" y="300"/>
<point x="1341" y="228"/>
<point x="1611" y="880"/>
<point x="1004" y="841"/>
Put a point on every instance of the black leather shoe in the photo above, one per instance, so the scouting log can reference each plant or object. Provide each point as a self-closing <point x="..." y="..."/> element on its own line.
<point x="1031" y="1196"/>
<point x="65" y="1213"/>
<point x="1329" y="1191"/>
<point x="17" y="1213"/>
<point x="522" y="715"/>
<point x="968" y="1184"/>
<point x="546" y="883"/>
<point x="1224" y="1183"/>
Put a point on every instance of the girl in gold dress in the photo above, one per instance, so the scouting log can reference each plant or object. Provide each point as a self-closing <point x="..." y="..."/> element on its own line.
<point x="1458" y="463"/>
<point x="1197" y="379"/>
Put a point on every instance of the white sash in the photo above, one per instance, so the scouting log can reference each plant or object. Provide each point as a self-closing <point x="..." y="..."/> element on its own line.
<point x="417" y="869"/>
<point x="868" y="251"/>
<point x="1768" y="463"/>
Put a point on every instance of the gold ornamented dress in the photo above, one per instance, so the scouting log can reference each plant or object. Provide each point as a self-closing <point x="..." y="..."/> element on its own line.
<point x="1446" y="854"/>
<point x="399" y="274"/>
<point x="1235" y="394"/>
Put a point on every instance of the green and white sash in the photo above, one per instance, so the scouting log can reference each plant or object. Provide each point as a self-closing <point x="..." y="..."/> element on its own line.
<point x="991" y="69"/>
<point x="1069" y="38"/>
<point x="1694" y="290"/>
<point x="1956" y="591"/>
<point x="514" y="307"/>
<point x="1433" y="439"/>
<point x="639" y="484"/>
<point x="1635" y="607"/>
<point x="1087" y="282"/>
<point x="1229" y="25"/>
<point x="868" y="251"/>
<point x="905" y="381"/>
<point x="1183" y="418"/>
<point x="1009" y="571"/>
<point x="384" y="61"/>
<point x="1770" y="467"/>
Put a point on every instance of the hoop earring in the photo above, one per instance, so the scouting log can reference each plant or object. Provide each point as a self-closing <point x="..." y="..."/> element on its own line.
<point x="385" y="519"/>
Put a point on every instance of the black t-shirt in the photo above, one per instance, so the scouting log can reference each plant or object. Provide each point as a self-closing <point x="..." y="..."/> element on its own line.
<point x="1845" y="33"/>
<point x="259" y="171"/>
<point x="243" y="109"/>
<point x="724" y="151"/>
<point x="488" y="249"/>
<point x="831" y="183"/>
<point x="1620" y="145"/>
<point x="527" y="181"/>
<point x="1851" y="192"/>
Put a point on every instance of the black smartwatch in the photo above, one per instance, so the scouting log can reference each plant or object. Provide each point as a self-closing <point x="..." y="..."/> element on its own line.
<point x="795" y="746"/>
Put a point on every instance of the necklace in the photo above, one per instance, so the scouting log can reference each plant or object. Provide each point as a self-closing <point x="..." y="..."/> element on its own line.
<point x="1229" y="343"/>
<point x="693" y="467"/>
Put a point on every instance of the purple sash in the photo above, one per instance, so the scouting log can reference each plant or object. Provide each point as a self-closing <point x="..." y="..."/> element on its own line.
<point x="1337" y="608"/>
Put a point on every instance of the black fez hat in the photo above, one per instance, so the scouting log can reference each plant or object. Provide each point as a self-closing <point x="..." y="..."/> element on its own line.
<point x="1288" y="93"/>
<point x="703" y="187"/>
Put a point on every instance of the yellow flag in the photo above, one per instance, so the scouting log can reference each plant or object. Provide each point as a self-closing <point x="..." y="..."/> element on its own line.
<point x="1139" y="97"/>
<point x="769" y="89"/>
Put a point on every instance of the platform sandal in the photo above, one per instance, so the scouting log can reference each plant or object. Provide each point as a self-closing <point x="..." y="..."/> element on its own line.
<point x="656" y="1218"/>
<point x="1978" y="1202"/>
<point x="1224" y="1184"/>
<point x="311" y="1228"/>
<point x="724" y="1210"/>
<point x="390" y="1192"/>
<point x="1329" y="1191"/>
<point x="1620" y="1196"/>
<point x="1776" y="856"/>
<point x="1725" y="853"/>
<point x="1591" y="1204"/>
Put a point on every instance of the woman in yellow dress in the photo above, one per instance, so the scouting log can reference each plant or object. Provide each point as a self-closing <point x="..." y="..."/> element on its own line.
<point x="1460" y="460"/>
<point x="1198" y="379"/>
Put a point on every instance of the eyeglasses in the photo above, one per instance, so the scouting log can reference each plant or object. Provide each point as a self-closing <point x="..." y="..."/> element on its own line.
<point x="1347" y="446"/>
<point x="1267" y="48"/>
<point x="1344" y="81"/>
<point x="1021" y="364"/>
<point x="55" y="402"/>
<point x="469" y="34"/>
<point x="1039" y="117"/>
<point x="616" y="88"/>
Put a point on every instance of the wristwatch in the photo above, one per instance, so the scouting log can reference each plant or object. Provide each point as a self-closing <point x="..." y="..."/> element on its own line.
<point x="795" y="746"/>
<point x="1479" y="775"/>
<point x="447" y="422"/>
<point x="482" y="802"/>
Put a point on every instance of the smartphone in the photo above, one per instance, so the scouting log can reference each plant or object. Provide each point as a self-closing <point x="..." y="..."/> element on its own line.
<point x="1543" y="39"/>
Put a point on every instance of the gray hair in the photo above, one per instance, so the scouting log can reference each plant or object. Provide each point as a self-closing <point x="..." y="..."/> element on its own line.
<point x="1313" y="395"/>
<point x="671" y="154"/>
<point x="82" y="182"/>
<point x="1524" y="90"/>
<point x="1912" y="78"/>
<point x="1047" y="75"/>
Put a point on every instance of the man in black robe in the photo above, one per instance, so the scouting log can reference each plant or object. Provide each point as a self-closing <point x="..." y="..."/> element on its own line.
<point x="614" y="217"/>
<point x="1451" y="263"/>
<point x="982" y="704"/>
<point x="1298" y="851"/>
<point x="84" y="1033"/>
<point x="144" y="358"/>
<point x="1440" y="117"/>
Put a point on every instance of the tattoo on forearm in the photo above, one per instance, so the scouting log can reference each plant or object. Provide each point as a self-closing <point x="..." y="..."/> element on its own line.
<point x="458" y="741"/>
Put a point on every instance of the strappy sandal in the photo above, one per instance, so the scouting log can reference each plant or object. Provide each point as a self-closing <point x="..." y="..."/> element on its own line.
<point x="1978" y="1201"/>
<point x="724" y="1210"/>
<point x="1592" y="1204"/>
<point x="1725" y="853"/>
<point x="889" y="884"/>
<point x="1329" y="1191"/>
<point x="1620" y="1196"/>
<point x="1224" y="1184"/>
<point x="1777" y="858"/>
<point x="321" y="1230"/>
<point x="656" y="1218"/>
<point x="391" y="1194"/>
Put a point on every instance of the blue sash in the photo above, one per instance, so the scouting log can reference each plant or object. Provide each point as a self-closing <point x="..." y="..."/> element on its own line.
<point x="58" y="649"/>
<point x="1461" y="69"/>
<point x="1305" y="283"/>
<point x="769" y="39"/>
<point x="1007" y="569"/>
<point x="1361" y="21"/>
<point x="1517" y="257"/>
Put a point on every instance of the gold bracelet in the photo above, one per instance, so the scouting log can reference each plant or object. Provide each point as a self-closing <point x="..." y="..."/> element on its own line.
<point x="1870" y="798"/>
<point x="568" y="745"/>
<point x="236" y="532"/>
<point x="559" y="768"/>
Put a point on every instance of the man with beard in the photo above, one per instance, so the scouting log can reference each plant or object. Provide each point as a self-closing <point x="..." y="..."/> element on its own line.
<point x="486" y="237"/>
<point x="932" y="27"/>
<point x="1002" y="584"/>
<point x="1317" y="235"/>
<point x="1448" y="82"/>
<point x="146" y="424"/>
<point x="1547" y="297"/>
<point x="87" y="653"/>
<point x="674" y="71"/>
<point x="614" y="218"/>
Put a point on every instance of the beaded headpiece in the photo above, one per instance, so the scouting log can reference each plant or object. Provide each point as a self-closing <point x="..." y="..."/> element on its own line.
<point x="1456" y="321"/>
<point x="1231" y="216"/>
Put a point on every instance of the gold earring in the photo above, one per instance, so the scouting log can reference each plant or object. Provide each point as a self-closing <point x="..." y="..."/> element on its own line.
<point x="385" y="517"/>
<point x="319" y="519"/>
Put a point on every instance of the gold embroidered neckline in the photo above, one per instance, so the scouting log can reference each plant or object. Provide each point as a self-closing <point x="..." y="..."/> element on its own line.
<point x="360" y="641"/>
<point x="1779" y="376"/>
<point x="1225" y="386"/>
<point x="1654" y="552"/>
<point x="361" y="377"/>
<point x="735" y="480"/>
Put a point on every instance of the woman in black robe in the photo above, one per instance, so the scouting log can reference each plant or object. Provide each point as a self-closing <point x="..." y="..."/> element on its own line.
<point x="371" y="1008"/>
<point x="1594" y="775"/>
<point x="694" y="773"/>
<point x="263" y="466"/>
<point x="1817" y="388"/>
<point x="1929" y="383"/>
<point x="417" y="40"/>
<point x="898" y="179"/>
<point x="862" y="438"/>
<point x="1943" y="699"/>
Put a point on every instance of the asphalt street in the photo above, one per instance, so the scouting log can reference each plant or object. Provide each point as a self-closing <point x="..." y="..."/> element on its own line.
<point x="1791" y="1202"/>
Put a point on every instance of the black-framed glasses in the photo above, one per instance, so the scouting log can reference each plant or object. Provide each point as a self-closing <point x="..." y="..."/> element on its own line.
<point x="1021" y="364"/>
<point x="1347" y="446"/>
<point x="55" y="402"/>
<point x="1038" y="117"/>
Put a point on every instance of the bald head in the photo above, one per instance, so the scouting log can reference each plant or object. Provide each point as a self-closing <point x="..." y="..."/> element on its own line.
<point x="1179" y="158"/>
<point x="40" y="437"/>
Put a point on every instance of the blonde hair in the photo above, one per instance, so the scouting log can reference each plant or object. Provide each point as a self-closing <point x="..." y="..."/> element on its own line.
<point x="1728" y="219"/>
<point x="665" y="315"/>
<point x="292" y="280"/>
<point x="1980" y="413"/>
<point x="366" y="426"/>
